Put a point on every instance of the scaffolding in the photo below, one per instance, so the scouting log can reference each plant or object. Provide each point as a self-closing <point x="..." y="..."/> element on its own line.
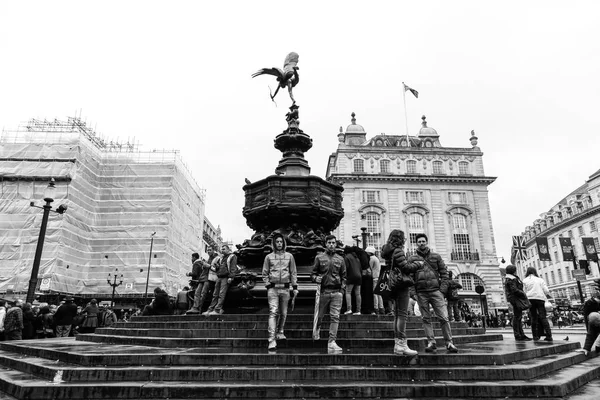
<point x="116" y="195"/>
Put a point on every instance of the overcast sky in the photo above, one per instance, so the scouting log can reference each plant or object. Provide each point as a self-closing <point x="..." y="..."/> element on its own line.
<point x="176" y="75"/>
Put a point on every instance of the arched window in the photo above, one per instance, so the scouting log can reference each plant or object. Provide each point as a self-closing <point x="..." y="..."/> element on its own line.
<point x="468" y="281"/>
<point x="359" y="165"/>
<point x="411" y="167"/>
<point x="416" y="225"/>
<point x="460" y="238"/>
<point x="384" y="166"/>
<point x="373" y="230"/>
<point x="438" y="167"/>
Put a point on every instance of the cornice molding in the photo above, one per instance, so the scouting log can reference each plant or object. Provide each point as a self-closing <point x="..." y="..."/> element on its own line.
<point x="564" y="223"/>
<point x="412" y="178"/>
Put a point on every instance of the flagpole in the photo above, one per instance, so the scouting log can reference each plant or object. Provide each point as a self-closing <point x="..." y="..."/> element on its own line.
<point x="405" y="114"/>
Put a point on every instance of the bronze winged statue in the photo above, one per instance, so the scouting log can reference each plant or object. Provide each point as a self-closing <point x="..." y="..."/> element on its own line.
<point x="287" y="77"/>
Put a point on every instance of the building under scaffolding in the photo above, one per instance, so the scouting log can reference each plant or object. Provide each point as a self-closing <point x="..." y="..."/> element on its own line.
<point x="117" y="196"/>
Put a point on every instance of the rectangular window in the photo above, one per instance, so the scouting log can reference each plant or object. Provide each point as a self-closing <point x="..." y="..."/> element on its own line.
<point x="359" y="165"/>
<point x="457" y="197"/>
<point x="597" y="244"/>
<point x="370" y="196"/>
<point x="463" y="168"/>
<point x="385" y="166"/>
<point x="553" y="241"/>
<point x="580" y="230"/>
<point x="415" y="197"/>
<point x="567" y="273"/>
<point x="462" y="247"/>
<point x="438" y="167"/>
<point x="466" y="282"/>
<point x="560" y="278"/>
<point x="556" y="256"/>
<point x="593" y="226"/>
<point x="570" y="234"/>
<point x="411" y="167"/>
<point x="553" y="278"/>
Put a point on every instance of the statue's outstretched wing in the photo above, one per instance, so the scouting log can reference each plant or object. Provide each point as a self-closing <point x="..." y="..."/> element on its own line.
<point x="269" y="71"/>
<point x="290" y="62"/>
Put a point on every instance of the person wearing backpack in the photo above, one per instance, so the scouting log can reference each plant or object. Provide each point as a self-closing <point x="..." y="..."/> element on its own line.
<point x="452" y="297"/>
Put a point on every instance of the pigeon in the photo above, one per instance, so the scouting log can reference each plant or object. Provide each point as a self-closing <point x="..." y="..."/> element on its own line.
<point x="566" y="339"/>
<point x="247" y="181"/>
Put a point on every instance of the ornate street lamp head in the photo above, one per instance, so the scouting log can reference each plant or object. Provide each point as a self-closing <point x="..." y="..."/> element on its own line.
<point x="50" y="192"/>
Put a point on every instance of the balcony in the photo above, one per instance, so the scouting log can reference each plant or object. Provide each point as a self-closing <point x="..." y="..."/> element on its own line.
<point x="458" y="255"/>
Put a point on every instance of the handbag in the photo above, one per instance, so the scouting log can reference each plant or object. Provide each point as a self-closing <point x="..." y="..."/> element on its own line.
<point x="522" y="304"/>
<point x="382" y="288"/>
<point x="399" y="280"/>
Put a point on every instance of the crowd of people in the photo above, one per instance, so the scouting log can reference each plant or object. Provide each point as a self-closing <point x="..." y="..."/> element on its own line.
<point x="21" y="321"/>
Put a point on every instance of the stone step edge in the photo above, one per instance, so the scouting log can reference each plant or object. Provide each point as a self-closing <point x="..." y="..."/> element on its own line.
<point x="43" y="368"/>
<point x="481" y="359"/>
<point x="559" y="383"/>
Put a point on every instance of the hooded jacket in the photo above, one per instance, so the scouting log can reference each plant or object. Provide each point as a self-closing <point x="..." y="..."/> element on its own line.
<point x="279" y="267"/>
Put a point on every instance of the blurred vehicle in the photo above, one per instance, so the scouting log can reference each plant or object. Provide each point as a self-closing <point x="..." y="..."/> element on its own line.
<point x="577" y="317"/>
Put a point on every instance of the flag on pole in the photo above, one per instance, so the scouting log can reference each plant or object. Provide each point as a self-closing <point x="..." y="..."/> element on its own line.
<point x="518" y="248"/>
<point x="542" y="245"/>
<point x="413" y="91"/>
<point x="567" y="248"/>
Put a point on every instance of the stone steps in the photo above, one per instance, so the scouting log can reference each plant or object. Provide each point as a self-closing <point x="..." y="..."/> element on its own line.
<point x="225" y="356"/>
<point x="555" y="384"/>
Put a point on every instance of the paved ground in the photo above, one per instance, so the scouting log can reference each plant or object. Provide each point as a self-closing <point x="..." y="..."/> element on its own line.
<point x="576" y="333"/>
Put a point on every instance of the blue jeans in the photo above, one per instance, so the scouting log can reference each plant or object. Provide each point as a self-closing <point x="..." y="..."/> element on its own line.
<point x="219" y="294"/>
<point x="436" y="299"/>
<point x="401" y="314"/>
<point x="278" y="306"/>
<point x="333" y="299"/>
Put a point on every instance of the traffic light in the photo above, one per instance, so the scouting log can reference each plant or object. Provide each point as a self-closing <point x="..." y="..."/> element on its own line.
<point x="584" y="264"/>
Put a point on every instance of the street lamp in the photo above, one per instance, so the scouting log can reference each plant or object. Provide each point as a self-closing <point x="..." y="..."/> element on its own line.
<point x="49" y="195"/>
<point x="114" y="284"/>
<point x="363" y="228"/>
<point x="149" y="261"/>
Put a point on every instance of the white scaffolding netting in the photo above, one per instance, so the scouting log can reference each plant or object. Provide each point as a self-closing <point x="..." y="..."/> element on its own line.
<point x="116" y="197"/>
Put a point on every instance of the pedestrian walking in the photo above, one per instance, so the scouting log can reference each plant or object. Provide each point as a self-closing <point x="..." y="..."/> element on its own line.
<point x="537" y="292"/>
<point x="431" y="283"/>
<point x="280" y="275"/>
<point x="329" y="272"/>
<point x="513" y="286"/>
<point x="393" y="253"/>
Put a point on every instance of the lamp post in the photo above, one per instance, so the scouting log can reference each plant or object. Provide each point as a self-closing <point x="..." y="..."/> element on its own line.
<point x="114" y="285"/>
<point x="49" y="195"/>
<point x="149" y="262"/>
<point x="363" y="229"/>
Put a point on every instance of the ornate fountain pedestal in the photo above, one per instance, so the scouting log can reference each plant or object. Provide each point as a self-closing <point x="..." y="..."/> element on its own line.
<point x="303" y="207"/>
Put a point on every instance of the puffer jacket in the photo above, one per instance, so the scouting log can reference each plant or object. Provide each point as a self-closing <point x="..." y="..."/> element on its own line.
<point x="513" y="288"/>
<point x="279" y="267"/>
<point x="332" y="268"/>
<point x="428" y="270"/>
<point x="393" y="256"/>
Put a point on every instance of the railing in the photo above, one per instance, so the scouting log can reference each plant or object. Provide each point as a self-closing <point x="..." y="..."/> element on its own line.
<point x="464" y="256"/>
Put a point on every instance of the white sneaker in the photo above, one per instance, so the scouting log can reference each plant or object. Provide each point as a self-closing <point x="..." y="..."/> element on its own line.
<point x="206" y="312"/>
<point x="280" y="336"/>
<point x="214" y="313"/>
<point x="332" y="348"/>
<point x="272" y="345"/>
<point x="357" y="313"/>
<point x="349" y="312"/>
<point x="317" y="336"/>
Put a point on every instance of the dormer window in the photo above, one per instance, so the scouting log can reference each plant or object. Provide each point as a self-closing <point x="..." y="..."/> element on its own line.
<point x="384" y="165"/>
<point x="359" y="165"/>
<point x="411" y="167"/>
<point x="438" y="167"/>
<point x="463" y="168"/>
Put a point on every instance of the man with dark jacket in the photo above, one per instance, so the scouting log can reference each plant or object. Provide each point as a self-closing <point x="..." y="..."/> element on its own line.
<point x="279" y="273"/>
<point x="64" y="317"/>
<point x="431" y="284"/>
<point x="200" y="274"/>
<point x="226" y="270"/>
<point x="452" y="296"/>
<point x="329" y="272"/>
<point x="13" y="322"/>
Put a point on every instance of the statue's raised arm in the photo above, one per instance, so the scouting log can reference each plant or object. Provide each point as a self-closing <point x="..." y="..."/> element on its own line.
<point x="287" y="77"/>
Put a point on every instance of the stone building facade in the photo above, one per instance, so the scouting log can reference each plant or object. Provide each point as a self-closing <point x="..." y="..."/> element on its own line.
<point x="415" y="184"/>
<point x="576" y="216"/>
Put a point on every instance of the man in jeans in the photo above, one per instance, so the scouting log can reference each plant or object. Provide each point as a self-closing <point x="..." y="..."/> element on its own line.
<point x="431" y="284"/>
<point x="278" y="273"/>
<point x="226" y="270"/>
<point x="329" y="271"/>
<point x="200" y="271"/>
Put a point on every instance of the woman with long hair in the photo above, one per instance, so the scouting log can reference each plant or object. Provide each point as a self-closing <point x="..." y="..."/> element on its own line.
<point x="537" y="293"/>
<point x="393" y="253"/>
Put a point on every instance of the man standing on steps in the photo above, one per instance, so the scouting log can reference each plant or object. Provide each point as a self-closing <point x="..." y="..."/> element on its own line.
<point x="431" y="284"/>
<point x="329" y="271"/>
<point x="200" y="271"/>
<point x="278" y="273"/>
<point x="226" y="270"/>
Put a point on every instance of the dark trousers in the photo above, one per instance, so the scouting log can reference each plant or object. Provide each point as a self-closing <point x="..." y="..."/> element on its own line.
<point x="366" y="293"/>
<point x="517" y="323"/>
<point x="539" y="320"/>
